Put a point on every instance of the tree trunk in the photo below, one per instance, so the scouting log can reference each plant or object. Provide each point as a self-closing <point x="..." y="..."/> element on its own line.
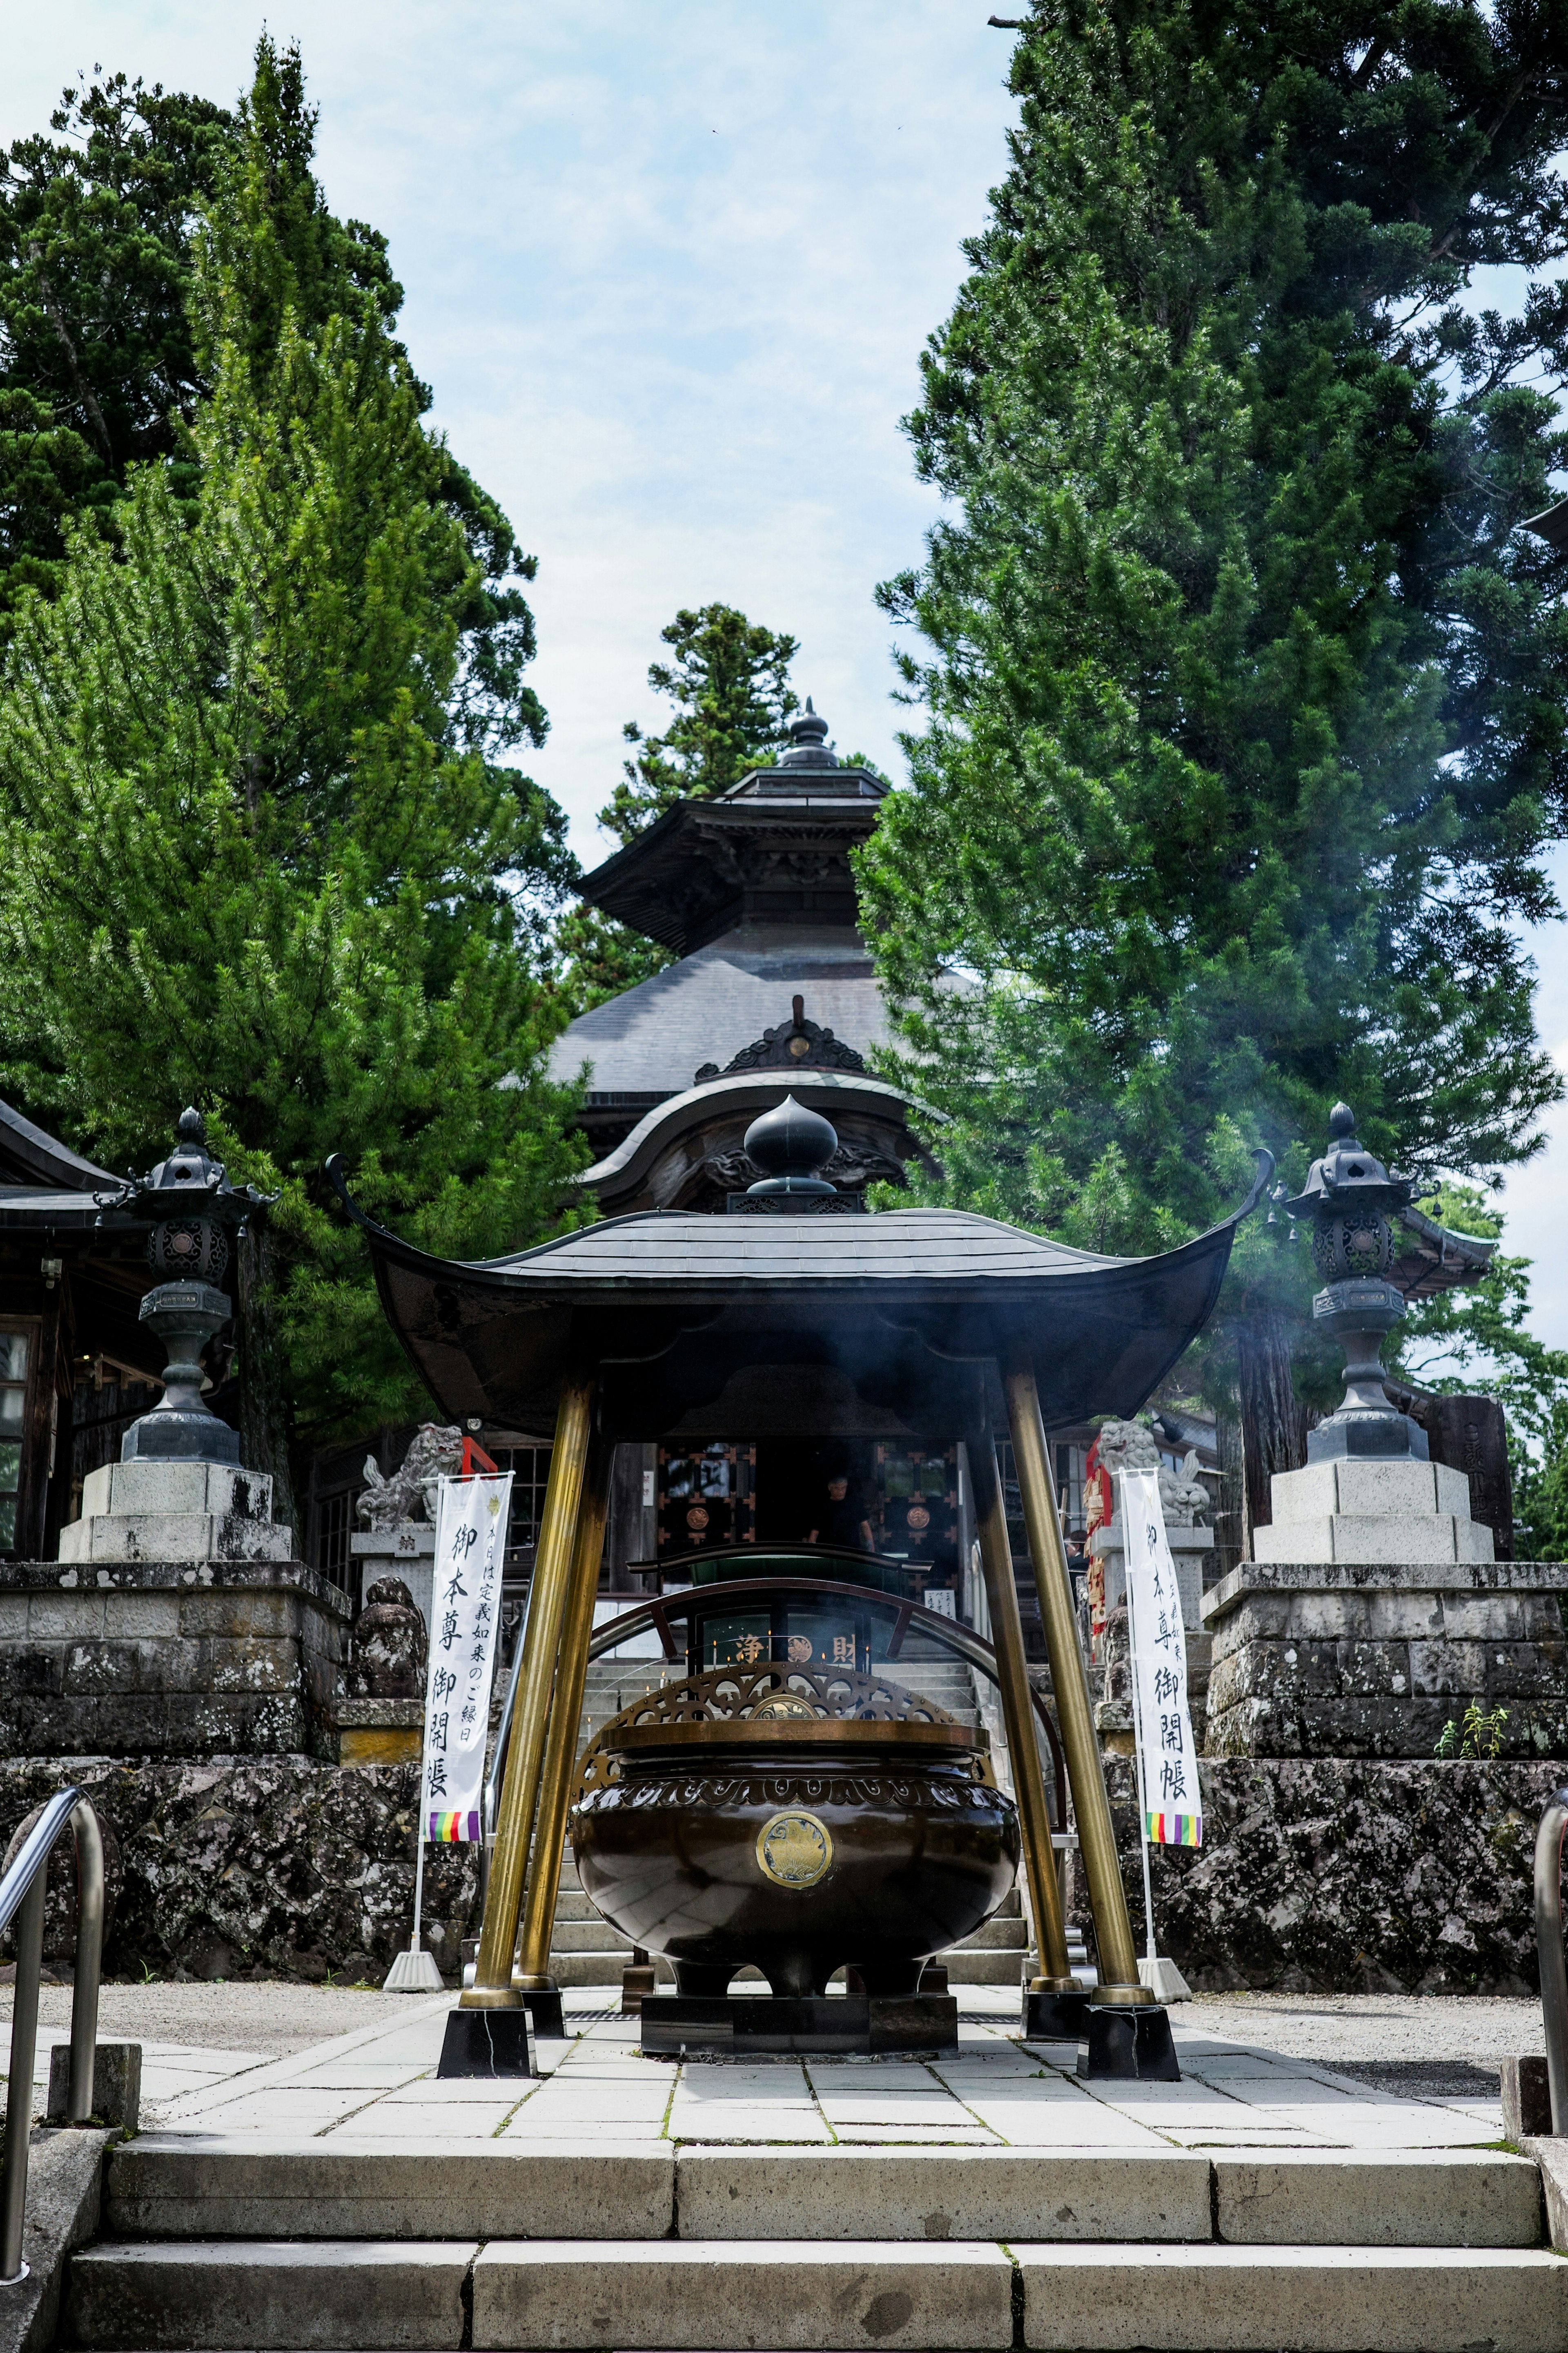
<point x="1233" y="1521"/>
<point x="1274" y="1421"/>
<point x="263" y="1411"/>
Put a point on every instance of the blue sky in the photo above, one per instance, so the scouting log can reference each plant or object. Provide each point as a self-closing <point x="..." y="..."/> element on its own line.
<point x="669" y="271"/>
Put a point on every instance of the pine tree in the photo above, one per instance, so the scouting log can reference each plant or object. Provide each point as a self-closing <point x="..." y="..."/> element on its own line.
<point x="730" y="683"/>
<point x="1245" y="694"/>
<point x="258" y="847"/>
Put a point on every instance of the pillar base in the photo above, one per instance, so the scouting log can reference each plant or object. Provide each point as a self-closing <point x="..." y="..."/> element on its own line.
<point x="1126" y="2043"/>
<point x="543" y="2005"/>
<point x="1056" y="2016"/>
<point x="496" y="2043"/>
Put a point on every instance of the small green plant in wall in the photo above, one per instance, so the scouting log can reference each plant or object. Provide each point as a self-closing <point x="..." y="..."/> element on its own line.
<point x="1480" y="1735"/>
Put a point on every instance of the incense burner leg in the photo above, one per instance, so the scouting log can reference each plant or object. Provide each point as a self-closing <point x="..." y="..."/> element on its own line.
<point x="1119" y="1988"/>
<point x="565" y="1713"/>
<point x="492" y="1988"/>
<point x="1018" y="1718"/>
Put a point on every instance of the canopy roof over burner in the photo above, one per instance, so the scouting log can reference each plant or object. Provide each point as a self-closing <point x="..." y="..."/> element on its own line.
<point x="794" y="1325"/>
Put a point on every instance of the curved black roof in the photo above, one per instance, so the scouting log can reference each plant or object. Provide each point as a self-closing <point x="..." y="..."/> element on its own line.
<point x="793" y="1325"/>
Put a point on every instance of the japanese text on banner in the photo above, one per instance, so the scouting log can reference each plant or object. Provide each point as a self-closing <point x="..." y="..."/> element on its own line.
<point x="1172" y="1808"/>
<point x="465" y="1610"/>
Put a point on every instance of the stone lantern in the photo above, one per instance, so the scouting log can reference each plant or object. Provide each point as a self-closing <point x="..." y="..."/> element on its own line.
<point x="178" y="1491"/>
<point x="196" y="1210"/>
<point x="1345" y="1207"/>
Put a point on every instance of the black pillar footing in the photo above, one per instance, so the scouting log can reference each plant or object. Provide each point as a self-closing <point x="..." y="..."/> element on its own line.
<point x="491" y="2042"/>
<point x="1056" y="2016"/>
<point x="1129" y="2044"/>
<point x="544" y="2012"/>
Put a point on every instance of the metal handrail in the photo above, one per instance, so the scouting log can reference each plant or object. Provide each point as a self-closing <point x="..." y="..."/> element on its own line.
<point x="22" y="1892"/>
<point x="1549" y="1952"/>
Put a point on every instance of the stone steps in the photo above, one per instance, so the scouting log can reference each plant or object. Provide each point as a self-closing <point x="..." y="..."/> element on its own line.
<point x="233" y="2243"/>
<point x="633" y="2294"/>
<point x="243" y="2184"/>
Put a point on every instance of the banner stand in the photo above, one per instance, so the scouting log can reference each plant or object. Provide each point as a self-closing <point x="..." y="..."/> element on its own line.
<point x="470" y="1544"/>
<point x="1157" y="1648"/>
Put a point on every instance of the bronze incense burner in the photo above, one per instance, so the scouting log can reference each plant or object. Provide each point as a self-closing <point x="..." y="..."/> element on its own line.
<point x="796" y="1820"/>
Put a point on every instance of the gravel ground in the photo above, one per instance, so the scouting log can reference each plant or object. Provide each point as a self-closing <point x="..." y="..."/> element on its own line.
<point x="280" y="2017"/>
<point x="1330" y="2027"/>
<point x="277" y="2016"/>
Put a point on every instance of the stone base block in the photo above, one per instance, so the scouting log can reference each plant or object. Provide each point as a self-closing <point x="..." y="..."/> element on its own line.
<point x="1121" y="2044"/>
<point x="174" y="1535"/>
<point x="714" y="2293"/>
<point x="240" y="2186"/>
<point x="175" y="1511"/>
<point x="490" y="2043"/>
<point x="158" y="1487"/>
<point x="1219" y="2299"/>
<point x="1354" y="1509"/>
<point x="1362" y="1537"/>
<point x="1376" y="2198"/>
<point x="116" y="2084"/>
<point x="379" y="1731"/>
<point x="746" y="2026"/>
<point x="330" y="2295"/>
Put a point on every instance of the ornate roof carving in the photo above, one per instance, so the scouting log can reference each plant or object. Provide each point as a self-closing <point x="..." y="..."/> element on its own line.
<point x="796" y="1044"/>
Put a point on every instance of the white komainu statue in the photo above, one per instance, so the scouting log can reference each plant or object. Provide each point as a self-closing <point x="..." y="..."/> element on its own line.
<point x="1128" y="1446"/>
<point x="387" y="1503"/>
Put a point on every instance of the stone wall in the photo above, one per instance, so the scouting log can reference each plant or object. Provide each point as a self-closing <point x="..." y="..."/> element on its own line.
<point x="1350" y="1659"/>
<point x="1346" y="1875"/>
<point x="272" y="1866"/>
<point x="177" y="1659"/>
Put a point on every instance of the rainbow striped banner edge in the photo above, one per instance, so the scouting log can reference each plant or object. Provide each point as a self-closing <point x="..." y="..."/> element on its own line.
<point x="1174" y="1829"/>
<point x="455" y="1830"/>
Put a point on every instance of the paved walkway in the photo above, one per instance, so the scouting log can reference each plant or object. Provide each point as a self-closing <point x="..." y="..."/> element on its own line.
<point x="1247" y="2083"/>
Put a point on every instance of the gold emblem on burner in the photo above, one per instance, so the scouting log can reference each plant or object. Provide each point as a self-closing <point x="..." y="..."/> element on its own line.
<point x="793" y="1850"/>
<point x="782" y="1704"/>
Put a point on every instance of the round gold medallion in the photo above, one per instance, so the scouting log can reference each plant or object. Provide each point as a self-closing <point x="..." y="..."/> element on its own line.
<point x="793" y="1850"/>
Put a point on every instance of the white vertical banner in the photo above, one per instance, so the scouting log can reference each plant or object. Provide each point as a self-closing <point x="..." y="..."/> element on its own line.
<point x="1162" y="1724"/>
<point x="464" y="1611"/>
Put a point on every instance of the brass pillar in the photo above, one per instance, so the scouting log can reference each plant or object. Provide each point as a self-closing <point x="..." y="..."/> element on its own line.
<point x="1018" y="1717"/>
<point x="492" y="1988"/>
<point x="566" y="1713"/>
<point x="1097" y="1841"/>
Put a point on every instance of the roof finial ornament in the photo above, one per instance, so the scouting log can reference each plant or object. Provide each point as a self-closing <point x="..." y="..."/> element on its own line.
<point x="808" y="741"/>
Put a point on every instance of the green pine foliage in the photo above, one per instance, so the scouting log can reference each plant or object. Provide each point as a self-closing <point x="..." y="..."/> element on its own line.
<point x="259" y="845"/>
<point x="1243" y="694"/>
<point x="729" y="681"/>
<point x="97" y="367"/>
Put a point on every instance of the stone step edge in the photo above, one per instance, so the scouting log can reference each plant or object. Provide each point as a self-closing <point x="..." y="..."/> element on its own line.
<point x="972" y="2293"/>
<point x="163" y="2187"/>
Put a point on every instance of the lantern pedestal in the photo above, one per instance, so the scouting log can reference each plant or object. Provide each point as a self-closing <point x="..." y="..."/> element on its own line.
<point x="175" y="1511"/>
<point x="1383" y="1513"/>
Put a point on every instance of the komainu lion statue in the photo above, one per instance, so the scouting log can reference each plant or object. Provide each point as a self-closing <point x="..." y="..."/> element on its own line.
<point x="436" y="1452"/>
<point x="1128" y="1446"/>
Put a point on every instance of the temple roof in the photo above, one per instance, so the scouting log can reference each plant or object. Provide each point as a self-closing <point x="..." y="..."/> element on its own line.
<point x="32" y="1159"/>
<point x="793" y="1324"/>
<point x="650" y="1042"/>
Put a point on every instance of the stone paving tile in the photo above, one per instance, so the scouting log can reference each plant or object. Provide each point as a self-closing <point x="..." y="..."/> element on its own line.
<point x="310" y="2111"/>
<point x="463" y="2120"/>
<point x="786" y="2126"/>
<point x="557" y="2127"/>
